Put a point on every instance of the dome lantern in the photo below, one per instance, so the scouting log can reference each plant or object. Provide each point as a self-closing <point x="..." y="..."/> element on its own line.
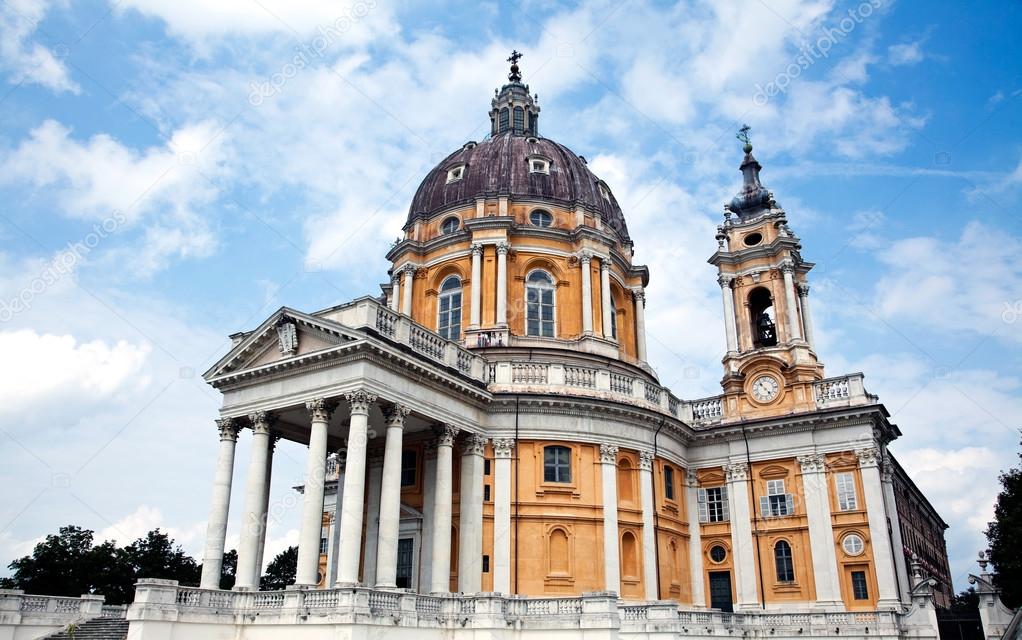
<point x="512" y="108"/>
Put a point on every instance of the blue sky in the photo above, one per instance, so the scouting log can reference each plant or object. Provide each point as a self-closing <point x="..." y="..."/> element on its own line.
<point x="172" y="172"/>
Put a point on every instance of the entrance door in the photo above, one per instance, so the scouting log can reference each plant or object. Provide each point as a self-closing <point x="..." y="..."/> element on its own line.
<point x="720" y="591"/>
<point x="404" y="563"/>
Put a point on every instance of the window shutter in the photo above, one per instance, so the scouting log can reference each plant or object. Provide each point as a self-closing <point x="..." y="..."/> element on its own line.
<point x="789" y="503"/>
<point x="723" y="499"/>
<point x="764" y="506"/>
<point x="701" y="500"/>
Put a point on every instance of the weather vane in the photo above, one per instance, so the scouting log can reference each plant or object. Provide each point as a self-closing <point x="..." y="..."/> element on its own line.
<point x="743" y="134"/>
<point x="515" y="75"/>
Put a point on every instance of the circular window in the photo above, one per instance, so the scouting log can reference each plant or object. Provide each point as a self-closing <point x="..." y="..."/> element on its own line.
<point x="752" y="239"/>
<point x="450" y="225"/>
<point x="541" y="218"/>
<point x="853" y="544"/>
<point x="718" y="554"/>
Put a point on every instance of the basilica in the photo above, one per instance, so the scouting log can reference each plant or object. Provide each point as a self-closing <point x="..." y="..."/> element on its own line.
<point x="490" y="454"/>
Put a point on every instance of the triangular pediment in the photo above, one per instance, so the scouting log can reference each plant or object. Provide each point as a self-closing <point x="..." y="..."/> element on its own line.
<point x="285" y="335"/>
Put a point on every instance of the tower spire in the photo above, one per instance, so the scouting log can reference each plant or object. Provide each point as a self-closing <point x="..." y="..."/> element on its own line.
<point x="753" y="199"/>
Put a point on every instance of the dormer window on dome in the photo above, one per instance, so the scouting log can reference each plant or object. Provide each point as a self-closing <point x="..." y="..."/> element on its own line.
<point x="604" y="191"/>
<point x="539" y="164"/>
<point x="455" y="173"/>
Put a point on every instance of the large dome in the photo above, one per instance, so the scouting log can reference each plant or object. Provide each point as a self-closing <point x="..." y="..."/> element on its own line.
<point x="499" y="165"/>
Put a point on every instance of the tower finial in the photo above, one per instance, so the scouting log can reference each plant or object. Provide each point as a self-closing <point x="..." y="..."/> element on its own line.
<point x="515" y="75"/>
<point x="743" y="135"/>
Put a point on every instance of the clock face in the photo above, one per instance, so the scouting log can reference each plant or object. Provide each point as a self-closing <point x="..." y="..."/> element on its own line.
<point x="765" y="388"/>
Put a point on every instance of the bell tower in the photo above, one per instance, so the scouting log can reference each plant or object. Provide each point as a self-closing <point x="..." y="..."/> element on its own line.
<point x="770" y="364"/>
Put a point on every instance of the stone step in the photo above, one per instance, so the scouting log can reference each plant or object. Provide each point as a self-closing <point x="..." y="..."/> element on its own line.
<point x="97" y="629"/>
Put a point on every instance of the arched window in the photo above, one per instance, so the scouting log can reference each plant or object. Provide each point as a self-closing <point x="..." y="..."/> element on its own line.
<point x="450" y="225"/>
<point x="761" y="315"/>
<point x="782" y="558"/>
<point x="519" y="119"/>
<point x="448" y="322"/>
<point x="504" y="114"/>
<point x="629" y="556"/>
<point x="625" y="490"/>
<point x="539" y="305"/>
<point x="556" y="464"/>
<point x="541" y="218"/>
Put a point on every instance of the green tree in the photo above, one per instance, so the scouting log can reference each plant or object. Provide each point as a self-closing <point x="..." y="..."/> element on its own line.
<point x="61" y="565"/>
<point x="281" y="571"/>
<point x="966" y="601"/>
<point x="1004" y="536"/>
<point x="158" y="556"/>
<point x="229" y="569"/>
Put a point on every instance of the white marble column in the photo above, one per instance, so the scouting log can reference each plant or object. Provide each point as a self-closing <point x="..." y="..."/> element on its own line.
<point x="728" y="296"/>
<point x="743" y="551"/>
<point x="372" y="522"/>
<point x="503" y="449"/>
<point x="260" y="555"/>
<point x="502" y="249"/>
<point x="649" y="554"/>
<point x="428" y="494"/>
<point x="307" y="571"/>
<point x="443" y="491"/>
<point x="883" y="558"/>
<point x="476" y="308"/>
<point x="794" y="331"/>
<point x="220" y="504"/>
<point x="695" y="540"/>
<point x="640" y="323"/>
<point x="611" y="552"/>
<point x="335" y="531"/>
<point x="607" y="299"/>
<point x="470" y="515"/>
<point x="807" y="317"/>
<point x="254" y="518"/>
<point x="354" y="488"/>
<point x="821" y="533"/>
<point x="585" y="259"/>
<point x="891" y="506"/>
<point x="406" y="291"/>
<point x="395" y="292"/>
<point x="390" y="500"/>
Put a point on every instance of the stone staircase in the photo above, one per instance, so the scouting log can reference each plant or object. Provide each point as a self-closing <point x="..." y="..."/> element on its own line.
<point x="96" y="629"/>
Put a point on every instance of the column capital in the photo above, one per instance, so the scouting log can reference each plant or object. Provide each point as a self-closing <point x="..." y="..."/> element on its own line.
<point x="261" y="421"/>
<point x="868" y="457"/>
<point x="646" y="460"/>
<point x="477" y="248"/>
<point x="320" y="409"/>
<point x="812" y="463"/>
<point x="360" y="401"/>
<point x="502" y="447"/>
<point x="408" y="268"/>
<point x="445" y="435"/>
<point x="228" y="428"/>
<point x="736" y="471"/>
<point x="639" y="294"/>
<point x="787" y="267"/>
<point x="803" y="289"/>
<point x="605" y="264"/>
<point x="503" y="248"/>
<point x="395" y="415"/>
<point x="691" y="478"/>
<point x="473" y="445"/>
<point x="608" y="453"/>
<point x="585" y="257"/>
<point x="725" y="280"/>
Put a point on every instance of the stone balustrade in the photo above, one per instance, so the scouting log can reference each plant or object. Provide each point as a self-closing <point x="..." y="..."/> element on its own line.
<point x="34" y="616"/>
<point x="162" y="600"/>
<point x="842" y="391"/>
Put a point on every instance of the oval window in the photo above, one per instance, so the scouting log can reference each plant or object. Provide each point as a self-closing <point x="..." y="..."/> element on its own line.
<point x="541" y="218"/>
<point x="753" y="239"/>
<point x="853" y="544"/>
<point x="449" y="226"/>
<point x="718" y="554"/>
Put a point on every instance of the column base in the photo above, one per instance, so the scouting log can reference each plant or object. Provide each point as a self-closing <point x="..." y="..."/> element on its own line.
<point x="386" y="587"/>
<point x="346" y="585"/>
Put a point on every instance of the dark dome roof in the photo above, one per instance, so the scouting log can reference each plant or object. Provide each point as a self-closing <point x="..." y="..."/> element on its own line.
<point x="499" y="166"/>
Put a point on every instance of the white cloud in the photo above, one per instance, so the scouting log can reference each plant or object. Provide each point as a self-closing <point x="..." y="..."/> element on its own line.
<point x="24" y="59"/>
<point x="971" y="284"/>
<point x="46" y="368"/>
<point x="905" y="53"/>
<point x="162" y="187"/>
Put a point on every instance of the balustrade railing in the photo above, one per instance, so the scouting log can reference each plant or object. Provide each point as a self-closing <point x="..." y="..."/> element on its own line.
<point x="708" y="409"/>
<point x="580" y="377"/>
<point x="620" y="383"/>
<point x="529" y="373"/>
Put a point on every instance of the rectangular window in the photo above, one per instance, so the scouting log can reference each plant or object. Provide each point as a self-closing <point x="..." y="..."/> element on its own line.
<point x="712" y="504"/>
<point x="486" y="493"/>
<point x="486" y="467"/>
<point x="557" y="464"/>
<point x="859" y="589"/>
<point x="668" y="482"/>
<point x="486" y="564"/>
<point x="846" y="491"/>
<point x="408" y="468"/>
<point x="776" y="503"/>
<point x="324" y="539"/>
